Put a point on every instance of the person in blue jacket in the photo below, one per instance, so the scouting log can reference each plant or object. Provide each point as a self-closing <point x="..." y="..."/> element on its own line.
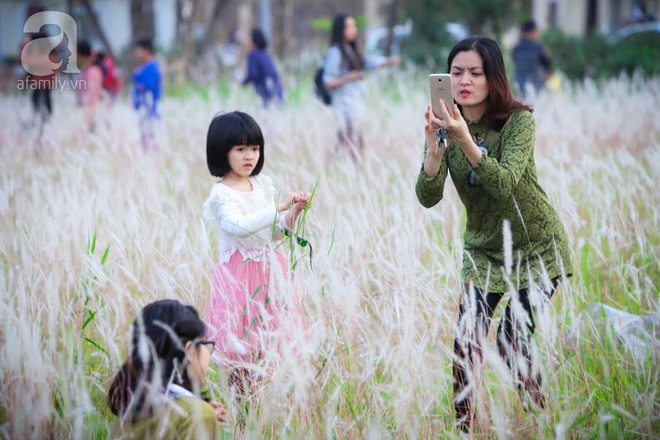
<point x="261" y="71"/>
<point x="146" y="92"/>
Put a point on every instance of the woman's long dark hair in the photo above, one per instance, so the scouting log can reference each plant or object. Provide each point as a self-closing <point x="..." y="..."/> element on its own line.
<point x="355" y="61"/>
<point x="160" y="334"/>
<point x="500" y="102"/>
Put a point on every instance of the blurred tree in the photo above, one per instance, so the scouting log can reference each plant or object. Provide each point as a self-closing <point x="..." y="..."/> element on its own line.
<point x="393" y="7"/>
<point x="282" y="22"/>
<point x="430" y="42"/>
<point x="97" y="26"/>
<point x="185" y="11"/>
<point x="142" y="19"/>
<point x="190" y="14"/>
<point x="490" y="17"/>
<point x="212" y="26"/>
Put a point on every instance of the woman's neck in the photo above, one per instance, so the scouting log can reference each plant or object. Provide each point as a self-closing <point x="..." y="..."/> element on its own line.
<point x="474" y="113"/>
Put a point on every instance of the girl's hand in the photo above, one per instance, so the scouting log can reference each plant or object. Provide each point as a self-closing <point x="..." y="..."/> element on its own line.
<point x="286" y="202"/>
<point x="298" y="200"/>
<point x="301" y="200"/>
<point x="220" y="411"/>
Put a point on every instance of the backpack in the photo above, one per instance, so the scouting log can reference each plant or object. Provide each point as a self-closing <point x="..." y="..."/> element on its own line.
<point x="111" y="74"/>
<point x="320" y="89"/>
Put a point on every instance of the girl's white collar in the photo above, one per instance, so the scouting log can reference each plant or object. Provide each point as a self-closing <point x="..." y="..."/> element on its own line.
<point x="176" y="391"/>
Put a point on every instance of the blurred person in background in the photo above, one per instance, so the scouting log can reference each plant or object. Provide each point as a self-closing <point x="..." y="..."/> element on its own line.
<point x="533" y="66"/>
<point x="146" y="92"/>
<point x="261" y="71"/>
<point x="342" y="73"/>
<point x="40" y="86"/>
<point x="38" y="58"/>
<point x="157" y="391"/>
<point x="91" y="82"/>
<point x="514" y="240"/>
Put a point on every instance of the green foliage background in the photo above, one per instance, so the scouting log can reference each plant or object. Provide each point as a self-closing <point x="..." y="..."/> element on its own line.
<point x="595" y="56"/>
<point x="430" y="43"/>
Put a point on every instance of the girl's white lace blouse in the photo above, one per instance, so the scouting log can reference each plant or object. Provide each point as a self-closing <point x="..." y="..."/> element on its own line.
<point x="248" y="221"/>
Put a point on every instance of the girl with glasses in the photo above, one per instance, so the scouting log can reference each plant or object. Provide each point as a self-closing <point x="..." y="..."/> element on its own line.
<point x="157" y="392"/>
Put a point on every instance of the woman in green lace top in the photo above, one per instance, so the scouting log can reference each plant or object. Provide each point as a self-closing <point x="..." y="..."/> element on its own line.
<point x="490" y="157"/>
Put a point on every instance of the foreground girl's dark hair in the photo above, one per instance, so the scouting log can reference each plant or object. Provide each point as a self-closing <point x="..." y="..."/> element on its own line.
<point x="160" y="333"/>
<point x="259" y="38"/>
<point x="500" y="102"/>
<point x="225" y="132"/>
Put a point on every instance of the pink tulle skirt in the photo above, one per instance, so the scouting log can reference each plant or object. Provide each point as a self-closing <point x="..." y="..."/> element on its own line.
<point x="248" y="302"/>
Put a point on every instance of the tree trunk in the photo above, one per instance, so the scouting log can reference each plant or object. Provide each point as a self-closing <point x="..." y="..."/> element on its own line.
<point x="210" y="33"/>
<point x="185" y="11"/>
<point x="392" y="10"/>
<point x="97" y="27"/>
<point x="279" y="27"/>
<point x="142" y="19"/>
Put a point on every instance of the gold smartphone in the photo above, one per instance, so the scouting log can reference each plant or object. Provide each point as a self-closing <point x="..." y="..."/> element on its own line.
<point x="440" y="86"/>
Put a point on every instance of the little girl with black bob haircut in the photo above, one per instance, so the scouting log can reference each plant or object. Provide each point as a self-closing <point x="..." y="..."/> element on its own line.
<point x="157" y="390"/>
<point x="250" y="292"/>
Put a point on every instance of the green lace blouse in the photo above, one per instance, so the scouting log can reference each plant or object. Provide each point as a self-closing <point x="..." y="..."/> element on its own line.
<point x="508" y="190"/>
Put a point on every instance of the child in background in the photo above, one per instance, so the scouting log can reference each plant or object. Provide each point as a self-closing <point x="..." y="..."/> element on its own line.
<point x="147" y="86"/>
<point x="261" y="70"/>
<point x="249" y="295"/>
<point x="89" y="95"/>
<point x="156" y="393"/>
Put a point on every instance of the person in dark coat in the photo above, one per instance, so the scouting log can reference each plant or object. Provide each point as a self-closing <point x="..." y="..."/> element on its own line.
<point x="261" y="70"/>
<point x="532" y="63"/>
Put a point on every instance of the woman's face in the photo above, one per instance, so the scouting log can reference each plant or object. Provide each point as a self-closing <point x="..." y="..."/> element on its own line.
<point x="468" y="80"/>
<point x="350" y="30"/>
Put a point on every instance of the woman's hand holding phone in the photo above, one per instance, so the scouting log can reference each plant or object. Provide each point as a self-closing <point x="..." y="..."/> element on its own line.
<point x="458" y="130"/>
<point x="454" y="124"/>
<point x="434" y="152"/>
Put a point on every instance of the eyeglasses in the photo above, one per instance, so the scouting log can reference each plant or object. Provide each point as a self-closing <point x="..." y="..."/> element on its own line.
<point x="473" y="179"/>
<point x="209" y="344"/>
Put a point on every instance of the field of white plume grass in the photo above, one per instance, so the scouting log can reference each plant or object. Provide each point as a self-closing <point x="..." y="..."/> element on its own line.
<point x="93" y="228"/>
